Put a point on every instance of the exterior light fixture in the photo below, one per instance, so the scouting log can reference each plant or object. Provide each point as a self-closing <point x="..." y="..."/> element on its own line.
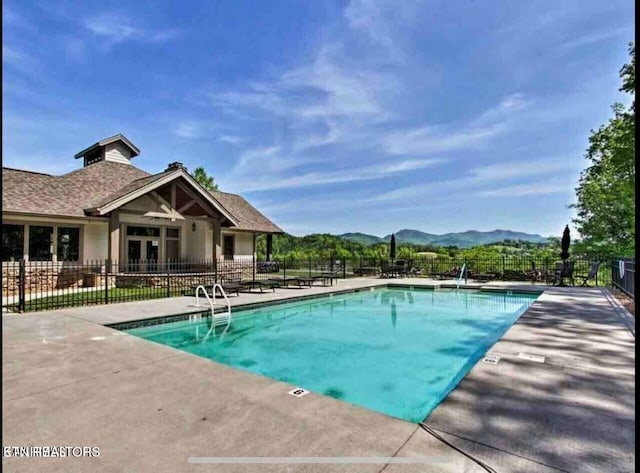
<point x="193" y="226"/>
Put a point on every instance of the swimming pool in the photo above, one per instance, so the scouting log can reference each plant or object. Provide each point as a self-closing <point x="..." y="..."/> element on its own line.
<point x="398" y="351"/>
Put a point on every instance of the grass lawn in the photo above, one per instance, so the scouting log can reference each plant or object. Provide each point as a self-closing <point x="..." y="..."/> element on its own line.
<point x="77" y="299"/>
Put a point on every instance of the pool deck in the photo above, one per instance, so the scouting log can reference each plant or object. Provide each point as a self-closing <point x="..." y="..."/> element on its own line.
<point x="70" y="381"/>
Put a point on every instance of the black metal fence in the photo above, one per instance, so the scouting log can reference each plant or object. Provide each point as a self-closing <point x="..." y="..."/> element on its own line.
<point x="46" y="285"/>
<point x="504" y="268"/>
<point x="623" y="273"/>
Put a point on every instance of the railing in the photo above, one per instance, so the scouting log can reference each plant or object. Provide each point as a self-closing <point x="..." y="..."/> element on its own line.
<point x="46" y="285"/>
<point x="623" y="273"/>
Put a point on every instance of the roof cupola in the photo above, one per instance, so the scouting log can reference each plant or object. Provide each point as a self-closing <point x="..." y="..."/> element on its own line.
<point x="116" y="148"/>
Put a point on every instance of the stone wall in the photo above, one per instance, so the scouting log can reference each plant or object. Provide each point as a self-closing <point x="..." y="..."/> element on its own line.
<point x="46" y="276"/>
<point x="175" y="281"/>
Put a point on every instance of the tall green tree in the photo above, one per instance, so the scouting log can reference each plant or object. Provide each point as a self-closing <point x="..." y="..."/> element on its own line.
<point x="606" y="190"/>
<point x="206" y="181"/>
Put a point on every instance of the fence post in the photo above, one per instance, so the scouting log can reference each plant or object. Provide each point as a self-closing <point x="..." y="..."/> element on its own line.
<point x="284" y="267"/>
<point x="344" y="268"/>
<point x="309" y="266"/>
<point x="166" y="268"/>
<point x="22" y="275"/>
<point x="253" y="263"/>
<point x="612" y="267"/>
<point x="107" y="268"/>
<point x="504" y="278"/>
<point x="546" y="269"/>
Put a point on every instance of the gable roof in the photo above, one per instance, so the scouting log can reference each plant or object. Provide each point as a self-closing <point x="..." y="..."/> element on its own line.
<point x="142" y="186"/>
<point x="92" y="188"/>
<point x="112" y="139"/>
<point x="246" y="214"/>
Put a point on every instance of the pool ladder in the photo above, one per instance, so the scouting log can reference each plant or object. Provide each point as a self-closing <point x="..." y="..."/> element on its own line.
<point x="219" y="318"/>
<point x="460" y="277"/>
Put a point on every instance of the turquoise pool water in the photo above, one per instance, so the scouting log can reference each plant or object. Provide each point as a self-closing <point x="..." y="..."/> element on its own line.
<point x="392" y="350"/>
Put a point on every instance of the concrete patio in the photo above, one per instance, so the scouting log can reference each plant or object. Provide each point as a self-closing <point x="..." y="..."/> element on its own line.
<point x="70" y="381"/>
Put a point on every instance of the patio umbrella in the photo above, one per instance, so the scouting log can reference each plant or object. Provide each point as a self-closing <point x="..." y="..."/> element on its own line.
<point x="566" y="241"/>
<point x="392" y="247"/>
<point x="564" y="253"/>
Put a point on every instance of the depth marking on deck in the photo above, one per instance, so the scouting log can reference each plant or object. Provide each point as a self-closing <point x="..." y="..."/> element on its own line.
<point x="491" y="359"/>
<point x="530" y="357"/>
<point x="298" y="392"/>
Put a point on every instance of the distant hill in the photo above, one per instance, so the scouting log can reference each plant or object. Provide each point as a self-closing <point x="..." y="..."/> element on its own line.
<point x="413" y="236"/>
<point x="461" y="240"/>
<point x="361" y="238"/>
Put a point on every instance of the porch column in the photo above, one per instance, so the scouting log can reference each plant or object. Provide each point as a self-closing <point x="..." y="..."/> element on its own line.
<point x="253" y="257"/>
<point x="217" y="250"/>
<point x="114" y="239"/>
<point x="269" y="246"/>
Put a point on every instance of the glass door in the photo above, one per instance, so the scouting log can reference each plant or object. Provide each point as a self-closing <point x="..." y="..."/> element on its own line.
<point x="152" y="255"/>
<point x="134" y="254"/>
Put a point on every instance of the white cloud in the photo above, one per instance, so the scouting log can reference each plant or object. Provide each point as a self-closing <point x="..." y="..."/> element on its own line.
<point x="12" y="19"/>
<point x="23" y="62"/>
<point x="593" y="38"/>
<point x="116" y="28"/>
<point x="231" y="139"/>
<point x="553" y="186"/>
<point x="187" y="130"/>
<point x="479" y="177"/>
<point x="378" y="171"/>
<point x="436" y="139"/>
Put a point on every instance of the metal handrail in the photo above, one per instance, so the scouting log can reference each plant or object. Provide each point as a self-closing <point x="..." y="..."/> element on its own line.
<point x="212" y="303"/>
<point x="460" y="277"/>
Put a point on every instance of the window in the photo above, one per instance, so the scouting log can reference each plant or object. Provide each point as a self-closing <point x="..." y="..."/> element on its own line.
<point x="68" y="244"/>
<point x="143" y="231"/>
<point x="40" y="241"/>
<point x="228" y="246"/>
<point x="172" y="244"/>
<point x="12" y="242"/>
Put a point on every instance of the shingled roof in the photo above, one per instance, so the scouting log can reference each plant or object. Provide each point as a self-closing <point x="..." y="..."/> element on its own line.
<point x="92" y="186"/>
<point x="67" y="195"/>
<point x="247" y="216"/>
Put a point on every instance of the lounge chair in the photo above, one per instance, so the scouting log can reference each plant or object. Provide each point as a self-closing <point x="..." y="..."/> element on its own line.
<point x="259" y="284"/>
<point x="227" y="287"/>
<point x="326" y="277"/>
<point x="593" y="274"/>
<point x="451" y="274"/>
<point x="284" y="282"/>
<point x="305" y="281"/>
<point x="231" y="288"/>
<point x="485" y="277"/>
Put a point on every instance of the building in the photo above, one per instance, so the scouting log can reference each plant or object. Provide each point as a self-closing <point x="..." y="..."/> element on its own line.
<point x="112" y="211"/>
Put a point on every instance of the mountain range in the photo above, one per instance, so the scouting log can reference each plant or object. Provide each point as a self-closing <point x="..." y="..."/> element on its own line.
<point x="460" y="239"/>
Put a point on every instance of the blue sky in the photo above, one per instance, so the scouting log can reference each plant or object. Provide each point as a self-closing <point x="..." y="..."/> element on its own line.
<point x="329" y="116"/>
